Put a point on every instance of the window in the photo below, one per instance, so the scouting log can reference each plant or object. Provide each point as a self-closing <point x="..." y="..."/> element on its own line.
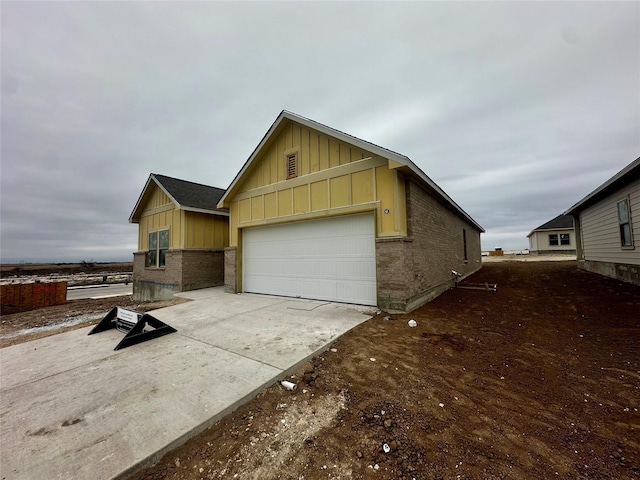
<point x="553" y="239"/>
<point x="292" y="165"/>
<point x="564" y="239"/>
<point x="464" y="242"/>
<point x="158" y="246"/>
<point x="624" y="220"/>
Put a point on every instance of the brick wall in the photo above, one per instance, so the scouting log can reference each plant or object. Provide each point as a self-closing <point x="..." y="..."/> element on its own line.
<point x="202" y="268"/>
<point x="416" y="270"/>
<point x="155" y="283"/>
<point x="184" y="270"/>
<point x="392" y="272"/>
<point x="230" y="259"/>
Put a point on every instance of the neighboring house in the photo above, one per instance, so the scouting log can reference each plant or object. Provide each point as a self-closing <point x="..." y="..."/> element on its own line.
<point x="181" y="238"/>
<point x="607" y="225"/>
<point x="316" y="213"/>
<point x="555" y="236"/>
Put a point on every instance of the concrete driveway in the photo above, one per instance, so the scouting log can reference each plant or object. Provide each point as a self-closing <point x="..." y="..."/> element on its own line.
<point x="72" y="407"/>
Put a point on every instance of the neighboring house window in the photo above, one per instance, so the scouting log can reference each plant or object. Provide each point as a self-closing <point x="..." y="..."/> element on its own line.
<point x="626" y="239"/>
<point x="158" y="246"/>
<point x="464" y="242"/>
<point x="564" y="239"/>
<point x="292" y="165"/>
<point x="553" y="239"/>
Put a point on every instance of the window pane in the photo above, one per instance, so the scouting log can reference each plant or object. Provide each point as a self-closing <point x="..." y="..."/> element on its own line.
<point x="564" y="239"/>
<point x="153" y="240"/>
<point x="151" y="258"/>
<point x="625" y="234"/>
<point x="553" y="239"/>
<point x="163" y="258"/>
<point x="164" y="238"/>
<point x="623" y="211"/>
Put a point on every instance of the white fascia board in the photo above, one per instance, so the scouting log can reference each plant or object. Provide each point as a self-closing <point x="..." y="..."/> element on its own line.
<point x="204" y="210"/>
<point x="425" y="178"/>
<point x="286" y="115"/>
<point x="254" y="154"/>
<point x="371" y="147"/>
<point x="542" y="230"/>
<point x="628" y="170"/>
<point x="144" y="190"/>
<point x="166" y="191"/>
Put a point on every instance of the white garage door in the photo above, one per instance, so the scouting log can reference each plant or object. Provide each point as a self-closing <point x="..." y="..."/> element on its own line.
<point x="330" y="259"/>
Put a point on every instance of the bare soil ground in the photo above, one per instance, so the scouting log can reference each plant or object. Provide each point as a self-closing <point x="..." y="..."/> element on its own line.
<point x="17" y="270"/>
<point x="540" y="380"/>
<point x="26" y="326"/>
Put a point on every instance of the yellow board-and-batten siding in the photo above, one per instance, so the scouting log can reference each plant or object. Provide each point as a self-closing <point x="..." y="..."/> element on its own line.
<point x="334" y="178"/>
<point x="186" y="229"/>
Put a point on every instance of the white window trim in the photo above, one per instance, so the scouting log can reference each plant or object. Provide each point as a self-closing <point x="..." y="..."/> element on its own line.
<point x="157" y="249"/>
<point x="629" y="222"/>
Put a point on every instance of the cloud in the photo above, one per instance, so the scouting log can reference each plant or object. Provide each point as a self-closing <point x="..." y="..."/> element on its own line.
<point x="517" y="110"/>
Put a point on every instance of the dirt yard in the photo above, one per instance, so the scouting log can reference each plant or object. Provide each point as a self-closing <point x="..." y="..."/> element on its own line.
<point x="540" y="380"/>
<point x="42" y="322"/>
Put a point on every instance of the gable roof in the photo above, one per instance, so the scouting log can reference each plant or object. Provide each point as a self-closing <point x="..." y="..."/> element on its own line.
<point x="625" y="176"/>
<point x="562" y="221"/>
<point x="397" y="160"/>
<point x="190" y="196"/>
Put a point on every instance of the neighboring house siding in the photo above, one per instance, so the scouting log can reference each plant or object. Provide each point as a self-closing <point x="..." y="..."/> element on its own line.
<point x="600" y="228"/>
<point x="539" y="241"/>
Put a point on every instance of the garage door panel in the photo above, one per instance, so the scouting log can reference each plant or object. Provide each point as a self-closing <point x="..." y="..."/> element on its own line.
<point x="307" y="267"/>
<point x="330" y="259"/>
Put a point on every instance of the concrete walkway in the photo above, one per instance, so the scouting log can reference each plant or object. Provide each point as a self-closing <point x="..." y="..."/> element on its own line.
<point x="73" y="408"/>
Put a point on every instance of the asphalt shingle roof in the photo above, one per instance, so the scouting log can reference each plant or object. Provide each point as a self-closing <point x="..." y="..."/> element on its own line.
<point x="190" y="194"/>
<point x="561" y="221"/>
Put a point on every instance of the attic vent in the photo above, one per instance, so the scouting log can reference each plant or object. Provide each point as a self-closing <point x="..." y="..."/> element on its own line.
<point x="292" y="164"/>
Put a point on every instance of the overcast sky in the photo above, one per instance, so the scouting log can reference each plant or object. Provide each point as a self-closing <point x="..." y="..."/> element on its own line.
<point x="517" y="110"/>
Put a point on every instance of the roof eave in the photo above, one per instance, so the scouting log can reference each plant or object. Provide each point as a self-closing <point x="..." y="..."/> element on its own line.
<point x="549" y="230"/>
<point x="222" y="213"/>
<point x="413" y="168"/>
<point x="286" y="115"/>
<point x="371" y="147"/>
<point x="624" y="176"/>
<point x="133" y="218"/>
